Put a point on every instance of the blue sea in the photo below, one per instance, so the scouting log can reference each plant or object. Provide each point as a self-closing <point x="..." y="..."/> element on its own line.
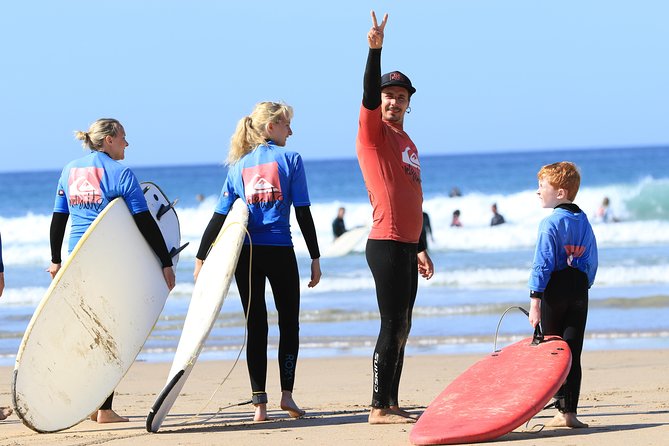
<point x="480" y="270"/>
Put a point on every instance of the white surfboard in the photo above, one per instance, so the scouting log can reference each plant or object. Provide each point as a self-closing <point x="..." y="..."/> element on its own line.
<point x="209" y="292"/>
<point x="93" y="320"/>
<point x="347" y="242"/>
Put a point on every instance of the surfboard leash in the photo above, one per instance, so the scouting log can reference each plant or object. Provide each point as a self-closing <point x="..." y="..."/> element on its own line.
<point x="538" y="336"/>
<point x="241" y="349"/>
<point x="536" y="339"/>
<point x="515" y="307"/>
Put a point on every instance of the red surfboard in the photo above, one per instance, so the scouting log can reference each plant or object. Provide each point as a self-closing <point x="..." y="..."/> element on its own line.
<point x="497" y="394"/>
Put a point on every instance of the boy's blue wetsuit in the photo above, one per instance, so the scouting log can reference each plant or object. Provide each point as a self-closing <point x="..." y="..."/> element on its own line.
<point x="564" y="268"/>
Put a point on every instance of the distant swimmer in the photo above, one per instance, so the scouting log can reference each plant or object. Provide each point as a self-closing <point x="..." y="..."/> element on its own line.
<point x="497" y="218"/>
<point x="456" y="218"/>
<point x="604" y="213"/>
<point x="338" y="226"/>
<point x="455" y="192"/>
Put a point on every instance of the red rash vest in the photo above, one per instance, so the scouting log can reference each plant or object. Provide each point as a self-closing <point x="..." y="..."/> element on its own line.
<point x="391" y="170"/>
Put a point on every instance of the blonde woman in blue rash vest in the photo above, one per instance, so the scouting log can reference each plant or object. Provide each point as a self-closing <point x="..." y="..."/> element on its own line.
<point x="270" y="179"/>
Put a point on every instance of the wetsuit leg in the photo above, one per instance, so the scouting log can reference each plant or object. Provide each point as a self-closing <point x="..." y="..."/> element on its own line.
<point x="564" y="312"/>
<point x="107" y="405"/>
<point x="256" y="344"/>
<point x="284" y="279"/>
<point x="394" y="396"/>
<point x="393" y="265"/>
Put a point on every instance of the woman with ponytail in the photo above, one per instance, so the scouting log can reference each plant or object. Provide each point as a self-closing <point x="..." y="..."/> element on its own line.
<point x="269" y="179"/>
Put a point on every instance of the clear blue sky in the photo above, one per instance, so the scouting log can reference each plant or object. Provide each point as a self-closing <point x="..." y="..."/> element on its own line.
<point x="491" y="75"/>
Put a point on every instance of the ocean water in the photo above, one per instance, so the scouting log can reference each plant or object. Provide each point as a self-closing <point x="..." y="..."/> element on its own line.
<point x="480" y="270"/>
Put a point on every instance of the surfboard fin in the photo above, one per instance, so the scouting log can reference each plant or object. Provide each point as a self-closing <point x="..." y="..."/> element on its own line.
<point x="165" y="208"/>
<point x="174" y="251"/>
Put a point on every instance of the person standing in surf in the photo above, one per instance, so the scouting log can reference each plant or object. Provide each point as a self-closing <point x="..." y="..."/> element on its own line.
<point x="338" y="225"/>
<point x="390" y="167"/>
<point x="86" y="186"/>
<point x="563" y="270"/>
<point x="269" y="179"/>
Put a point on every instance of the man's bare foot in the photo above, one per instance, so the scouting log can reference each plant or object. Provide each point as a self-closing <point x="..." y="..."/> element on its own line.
<point x="289" y="405"/>
<point x="388" y="416"/>
<point x="108" y="416"/>
<point x="5" y="412"/>
<point x="261" y="412"/>
<point x="401" y="412"/>
<point x="567" y="419"/>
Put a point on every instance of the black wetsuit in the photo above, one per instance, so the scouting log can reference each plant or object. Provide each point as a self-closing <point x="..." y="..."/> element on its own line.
<point x="394" y="266"/>
<point x="278" y="265"/>
<point x="564" y="312"/>
<point x="338" y="227"/>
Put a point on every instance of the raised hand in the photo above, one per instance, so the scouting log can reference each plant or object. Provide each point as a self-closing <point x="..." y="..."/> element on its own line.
<point x="375" y="34"/>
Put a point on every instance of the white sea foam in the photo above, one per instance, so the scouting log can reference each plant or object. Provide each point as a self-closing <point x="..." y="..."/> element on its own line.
<point x="645" y="221"/>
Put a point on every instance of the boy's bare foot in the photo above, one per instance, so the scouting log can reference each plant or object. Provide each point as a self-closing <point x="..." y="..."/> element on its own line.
<point x="5" y="412"/>
<point x="108" y="416"/>
<point x="261" y="412"/>
<point x="567" y="419"/>
<point x="289" y="405"/>
<point x="388" y="416"/>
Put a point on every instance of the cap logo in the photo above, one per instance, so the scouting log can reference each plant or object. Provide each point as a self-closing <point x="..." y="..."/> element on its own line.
<point x="395" y="76"/>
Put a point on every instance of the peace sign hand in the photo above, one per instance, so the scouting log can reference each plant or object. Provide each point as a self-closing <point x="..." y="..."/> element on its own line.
<point x="375" y="34"/>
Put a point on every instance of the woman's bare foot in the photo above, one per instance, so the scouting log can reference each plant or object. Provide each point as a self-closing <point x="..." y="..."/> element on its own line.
<point x="567" y="419"/>
<point x="108" y="416"/>
<point x="261" y="412"/>
<point x="289" y="405"/>
<point x="5" y="412"/>
<point x="388" y="416"/>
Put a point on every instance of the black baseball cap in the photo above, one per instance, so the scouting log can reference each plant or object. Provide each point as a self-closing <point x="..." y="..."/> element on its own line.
<point x="396" y="78"/>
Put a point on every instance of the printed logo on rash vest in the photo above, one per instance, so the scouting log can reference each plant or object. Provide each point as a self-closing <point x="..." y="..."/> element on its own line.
<point x="261" y="183"/>
<point x="83" y="187"/>
<point x="573" y="251"/>
<point x="411" y="163"/>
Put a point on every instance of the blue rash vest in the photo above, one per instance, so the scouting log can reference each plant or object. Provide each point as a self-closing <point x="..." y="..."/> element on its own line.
<point x="88" y="184"/>
<point x="269" y="179"/>
<point x="565" y="240"/>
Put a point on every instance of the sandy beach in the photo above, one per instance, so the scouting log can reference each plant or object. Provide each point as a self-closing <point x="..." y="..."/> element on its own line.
<point x="625" y="399"/>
